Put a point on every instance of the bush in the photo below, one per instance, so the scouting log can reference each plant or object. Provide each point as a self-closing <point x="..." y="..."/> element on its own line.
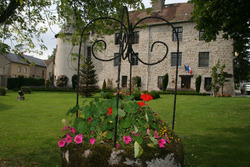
<point x="107" y="95"/>
<point x="74" y="81"/>
<point x="47" y="83"/>
<point x="62" y="81"/>
<point x="104" y="85"/>
<point x="154" y="94"/>
<point x="138" y="81"/>
<point x="17" y="83"/>
<point x="198" y="83"/>
<point x="165" y="82"/>
<point x="26" y="90"/>
<point x="136" y="96"/>
<point x="2" y="91"/>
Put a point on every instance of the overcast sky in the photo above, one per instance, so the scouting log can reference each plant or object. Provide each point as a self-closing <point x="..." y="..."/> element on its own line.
<point x="50" y="40"/>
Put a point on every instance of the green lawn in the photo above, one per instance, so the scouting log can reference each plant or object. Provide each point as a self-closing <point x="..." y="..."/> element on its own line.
<point x="215" y="131"/>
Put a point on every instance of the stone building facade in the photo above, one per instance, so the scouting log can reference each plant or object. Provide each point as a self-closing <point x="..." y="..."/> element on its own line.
<point x="194" y="53"/>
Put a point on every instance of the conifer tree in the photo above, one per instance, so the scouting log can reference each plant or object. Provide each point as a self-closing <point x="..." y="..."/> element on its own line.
<point x="88" y="78"/>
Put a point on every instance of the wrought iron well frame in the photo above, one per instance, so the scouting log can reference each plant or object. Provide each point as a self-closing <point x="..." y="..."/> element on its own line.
<point x="126" y="37"/>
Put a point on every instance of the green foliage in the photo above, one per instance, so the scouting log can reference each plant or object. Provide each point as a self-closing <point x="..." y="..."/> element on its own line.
<point x="107" y="95"/>
<point x="53" y="55"/>
<point x="138" y="81"/>
<point x="16" y="83"/>
<point x="198" y="84"/>
<point x="165" y="82"/>
<point x="154" y="94"/>
<point x="47" y="83"/>
<point x="218" y="78"/>
<point x="2" y="91"/>
<point x="109" y="84"/>
<point x="97" y="120"/>
<point x="26" y="90"/>
<point x="74" y="81"/>
<point x="88" y="78"/>
<point x="62" y="81"/>
<point x="232" y="19"/>
<point x="104" y="85"/>
<point x="21" y="22"/>
<point x="215" y="16"/>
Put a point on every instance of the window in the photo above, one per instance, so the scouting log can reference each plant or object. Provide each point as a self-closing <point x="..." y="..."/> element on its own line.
<point x="116" y="61"/>
<point x="207" y="84"/>
<point x="19" y="69"/>
<point x="135" y="38"/>
<point x="25" y="70"/>
<point x="201" y="32"/>
<point x="42" y="73"/>
<point x="117" y="39"/>
<point x="179" y="33"/>
<point x="160" y="78"/>
<point x="203" y="59"/>
<point x="134" y="59"/>
<point x="174" y="58"/>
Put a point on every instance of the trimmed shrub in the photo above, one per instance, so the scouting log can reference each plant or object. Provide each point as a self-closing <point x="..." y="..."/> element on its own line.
<point x="47" y="83"/>
<point x="74" y="81"/>
<point x="198" y="83"/>
<point x="2" y="91"/>
<point x="62" y="81"/>
<point x="26" y="90"/>
<point x="154" y="94"/>
<point x="104" y="85"/>
<point x="16" y="83"/>
<point x="138" y="81"/>
<point x="165" y="82"/>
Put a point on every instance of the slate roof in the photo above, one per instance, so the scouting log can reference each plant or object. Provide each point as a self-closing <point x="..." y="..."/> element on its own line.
<point x="178" y="12"/>
<point x="18" y="59"/>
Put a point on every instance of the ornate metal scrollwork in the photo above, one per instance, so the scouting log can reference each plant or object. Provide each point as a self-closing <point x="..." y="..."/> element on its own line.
<point x="126" y="52"/>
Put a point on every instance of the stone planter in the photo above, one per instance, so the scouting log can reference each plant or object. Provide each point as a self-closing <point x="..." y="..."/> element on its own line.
<point x="86" y="155"/>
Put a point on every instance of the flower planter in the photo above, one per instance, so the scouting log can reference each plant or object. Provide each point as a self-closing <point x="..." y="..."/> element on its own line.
<point x="86" y="155"/>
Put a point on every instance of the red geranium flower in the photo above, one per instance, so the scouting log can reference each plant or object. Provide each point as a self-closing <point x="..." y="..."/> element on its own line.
<point x="141" y="103"/>
<point x="146" y="97"/>
<point x="109" y="111"/>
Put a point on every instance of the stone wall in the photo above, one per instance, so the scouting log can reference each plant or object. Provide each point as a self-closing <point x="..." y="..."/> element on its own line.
<point x="190" y="46"/>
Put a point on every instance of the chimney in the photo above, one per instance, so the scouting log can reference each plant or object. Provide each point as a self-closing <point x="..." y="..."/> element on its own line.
<point x="158" y="4"/>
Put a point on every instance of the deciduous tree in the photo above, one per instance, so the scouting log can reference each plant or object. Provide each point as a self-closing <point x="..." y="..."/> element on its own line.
<point x="232" y="18"/>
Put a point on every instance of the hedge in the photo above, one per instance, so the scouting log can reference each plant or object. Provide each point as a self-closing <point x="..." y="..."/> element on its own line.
<point x="16" y="83"/>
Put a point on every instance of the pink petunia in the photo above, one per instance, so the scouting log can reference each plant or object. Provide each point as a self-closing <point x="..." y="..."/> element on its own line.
<point x="127" y="139"/>
<point x="61" y="143"/>
<point x="65" y="128"/>
<point x="72" y="130"/>
<point x="148" y="130"/>
<point x="161" y="142"/>
<point x="117" y="145"/>
<point x="156" y="135"/>
<point x="78" y="139"/>
<point x="92" y="141"/>
<point x="68" y="139"/>
<point x="90" y="119"/>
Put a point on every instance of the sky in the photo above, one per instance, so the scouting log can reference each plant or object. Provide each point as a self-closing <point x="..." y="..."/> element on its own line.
<point x="50" y="40"/>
